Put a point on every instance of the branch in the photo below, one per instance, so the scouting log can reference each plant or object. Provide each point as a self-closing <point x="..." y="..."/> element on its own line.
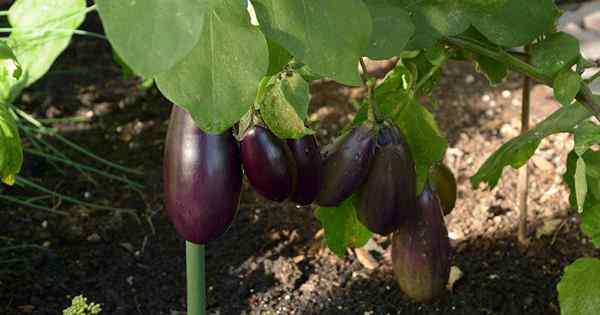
<point x="585" y="95"/>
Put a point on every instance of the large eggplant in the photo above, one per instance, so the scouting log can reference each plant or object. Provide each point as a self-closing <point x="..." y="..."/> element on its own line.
<point x="268" y="163"/>
<point x="443" y="184"/>
<point x="421" y="251"/>
<point x="346" y="168"/>
<point x="202" y="179"/>
<point x="389" y="195"/>
<point x="309" y="175"/>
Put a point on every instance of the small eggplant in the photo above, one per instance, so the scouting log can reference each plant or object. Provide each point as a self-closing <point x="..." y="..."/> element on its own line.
<point x="443" y="183"/>
<point x="268" y="163"/>
<point x="421" y="251"/>
<point x="309" y="175"/>
<point x="202" y="179"/>
<point x="389" y="196"/>
<point x="346" y="168"/>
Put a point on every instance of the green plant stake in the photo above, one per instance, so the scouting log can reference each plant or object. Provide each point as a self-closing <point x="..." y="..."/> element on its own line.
<point x="196" y="290"/>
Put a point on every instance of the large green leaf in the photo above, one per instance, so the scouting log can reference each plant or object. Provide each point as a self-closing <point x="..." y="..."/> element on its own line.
<point x="42" y="29"/>
<point x="11" y="153"/>
<point x="426" y="142"/>
<point x="512" y="23"/>
<point x="342" y="227"/>
<point x="392" y="29"/>
<point x="557" y="52"/>
<point x="153" y="35"/>
<point x="326" y="35"/>
<point x="518" y="150"/>
<point x="434" y="19"/>
<point x="217" y="81"/>
<point x="285" y="106"/>
<point x="278" y="57"/>
<point x="579" y="288"/>
<point x="590" y="223"/>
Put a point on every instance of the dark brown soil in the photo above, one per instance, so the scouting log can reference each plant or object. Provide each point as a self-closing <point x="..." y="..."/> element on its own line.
<point x="272" y="261"/>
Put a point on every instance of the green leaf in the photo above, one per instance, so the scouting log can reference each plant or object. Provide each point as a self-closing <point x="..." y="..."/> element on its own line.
<point x="326" y="36"/>
<point x="278" y="58"/>
<point x="9" y="63"/>
<point x="592" y="179"/>
<point x="518" y="150"/>
<point x="512" y="23"/>
<point x="426" y="142"/>
<point x="342" y="227"/>
<point x="285" y="106"/>
<point x="11" y="74"/>
<point x="217" y="81"/>
<point x="437" y="18"/>
<point x="494" y="71"/>
<point x="153" y="35"/>
<point x="578" y="290"/>
<point x="11" y="152"/>
<point x="586" y="135"/>
<point x="42" y="29"/>
<point x="557" y="52"/>
<point x="392" y="29"/>
<point x="581" y="187"/>
<point x="566" y="86"/>
<point x="590" y="224"/>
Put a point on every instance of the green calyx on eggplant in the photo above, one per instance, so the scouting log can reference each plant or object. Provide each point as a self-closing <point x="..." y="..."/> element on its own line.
<point x="347" y="164"/>
<point x="268" y="163"/>
<point x="421" y="251"/>
<point x="388" y="197"/>
<point x="202" y="179"/>
<point x="309" y="174"/>
<point x="443" y="183"/>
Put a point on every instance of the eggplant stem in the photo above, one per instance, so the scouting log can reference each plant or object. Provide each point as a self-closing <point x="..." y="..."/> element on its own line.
<point x="370" y="92"/>
<point x="196" y="280"/>
<point x="523" y="181"/>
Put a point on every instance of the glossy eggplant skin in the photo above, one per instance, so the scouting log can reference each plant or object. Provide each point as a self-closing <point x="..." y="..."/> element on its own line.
<point x="346" y="168"/>
<point x="443" y="183"/>
<point x="268" y="163"/>
<point x="309" y="174"/>
<point x="389" y="195"/>
<point x="202" y="179"/>
<point x="421" y="251"/>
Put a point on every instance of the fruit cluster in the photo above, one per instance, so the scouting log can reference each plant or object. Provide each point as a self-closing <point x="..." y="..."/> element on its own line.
<point x="203" y="177"/>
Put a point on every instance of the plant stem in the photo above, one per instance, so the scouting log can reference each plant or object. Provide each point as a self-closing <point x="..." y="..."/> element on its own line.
<point x="429" y="74"/>
<point x="592" y="78"/>
<point x="523" y="181"/>
<point x="584" y="96"/>
<point x="196" y="288"/>
<point x="370" y="92"/>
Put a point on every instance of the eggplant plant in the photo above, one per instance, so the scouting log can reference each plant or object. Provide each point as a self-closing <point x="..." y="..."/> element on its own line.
<point x="218" y="60"/>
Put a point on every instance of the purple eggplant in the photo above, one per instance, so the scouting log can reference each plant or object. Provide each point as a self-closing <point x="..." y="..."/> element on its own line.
<point x="202" y="179"/>
<point x="443" y="183"/>
<point x="389" y="195"/>
<point x="346" y="168"/>
<point x="308" y="169"/>
<point x="421" y="251"/>
<point x="268" y="163"/>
